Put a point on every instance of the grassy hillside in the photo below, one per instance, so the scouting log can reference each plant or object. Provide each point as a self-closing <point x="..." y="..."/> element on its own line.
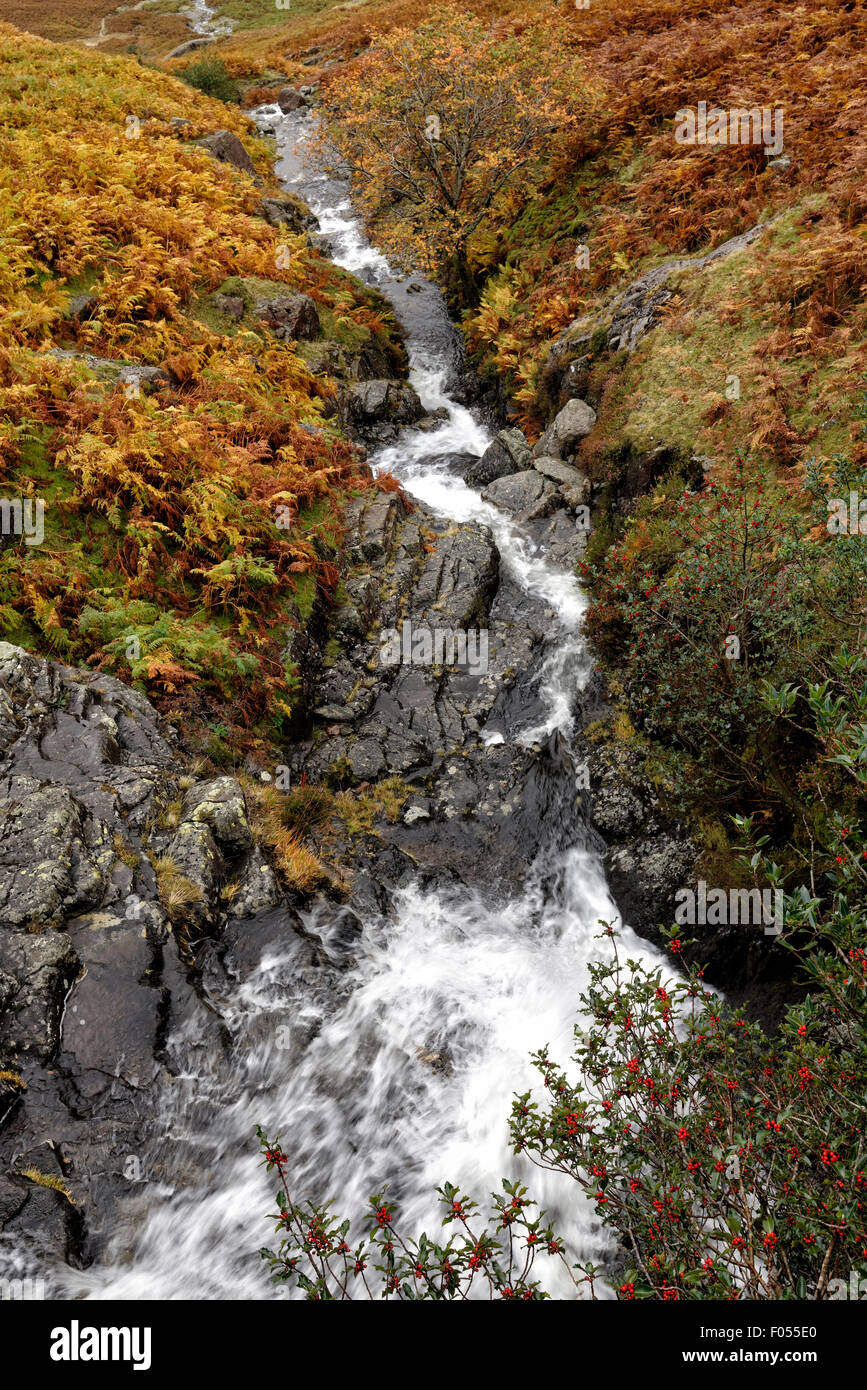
<point x="787" y="319"/>
<point x="163" y="558"/>
<point x="623" y="187"/>
<point x="152" y="28"/>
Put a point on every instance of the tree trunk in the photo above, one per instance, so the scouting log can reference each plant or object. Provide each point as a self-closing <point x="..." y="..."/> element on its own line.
<point x="461" y="290"/>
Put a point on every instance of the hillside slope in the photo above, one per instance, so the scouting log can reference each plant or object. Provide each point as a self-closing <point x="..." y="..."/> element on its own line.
<point x="176" y="438"/>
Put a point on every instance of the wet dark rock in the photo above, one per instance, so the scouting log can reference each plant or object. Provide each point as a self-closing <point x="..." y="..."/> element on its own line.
<point x="288" y="212"/>
<point x="112" y="1021"/>
<point x="373" y="410"/>
<point x="455" y="463"/>
<point x="644" y="878"/>
<point x="478" y="813"/>
<point x="508" y="453"/>
<point x="42" y="967"/>
<point x="366" y="759"/>
<point x="48" y="867"/>
<point x="649" y="857"/>
<point x="99" y="826"/>
<point x="290" y="99"/>
<point x="434" y="420"/>
<point x="527" y="494"/>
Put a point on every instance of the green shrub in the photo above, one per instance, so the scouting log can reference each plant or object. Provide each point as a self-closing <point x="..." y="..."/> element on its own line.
<point x="211" y="76"/>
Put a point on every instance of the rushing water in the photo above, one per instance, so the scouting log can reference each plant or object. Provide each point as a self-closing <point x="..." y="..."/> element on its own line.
<point x="333" y="1063"/>
<point x="204" y="20"/>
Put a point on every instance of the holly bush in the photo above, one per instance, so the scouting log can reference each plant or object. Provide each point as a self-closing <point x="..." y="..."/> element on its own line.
<point x="489" y="1255"/>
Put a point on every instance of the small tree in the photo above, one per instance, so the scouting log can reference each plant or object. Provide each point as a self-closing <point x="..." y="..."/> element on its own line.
<point x="435" y="123"/>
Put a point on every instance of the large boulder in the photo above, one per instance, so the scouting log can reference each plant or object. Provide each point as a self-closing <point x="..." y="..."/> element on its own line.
<point x="507" y="453"/>
<point x="382" y="401"/>
<point x="225" y="146"/>
<point x="290" y="99"/>
<point x="527" y="494"/>
<point x="572" y="424"/>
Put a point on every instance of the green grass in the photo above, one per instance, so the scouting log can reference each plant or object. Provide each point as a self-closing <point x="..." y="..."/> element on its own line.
<point x="256" y="14"/>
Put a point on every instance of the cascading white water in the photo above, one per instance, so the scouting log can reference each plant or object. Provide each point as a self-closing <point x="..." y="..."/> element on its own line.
<point x="340" y="1078"/>
<point x="204" y="20"/>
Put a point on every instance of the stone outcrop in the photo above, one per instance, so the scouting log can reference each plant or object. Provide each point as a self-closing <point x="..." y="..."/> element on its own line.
<point x="114" y="865"/>
<point x="373" y="410"/>
<point x="622" y="324"/>
<point x="485" y="807"/>
<point x="637" y="308"/>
